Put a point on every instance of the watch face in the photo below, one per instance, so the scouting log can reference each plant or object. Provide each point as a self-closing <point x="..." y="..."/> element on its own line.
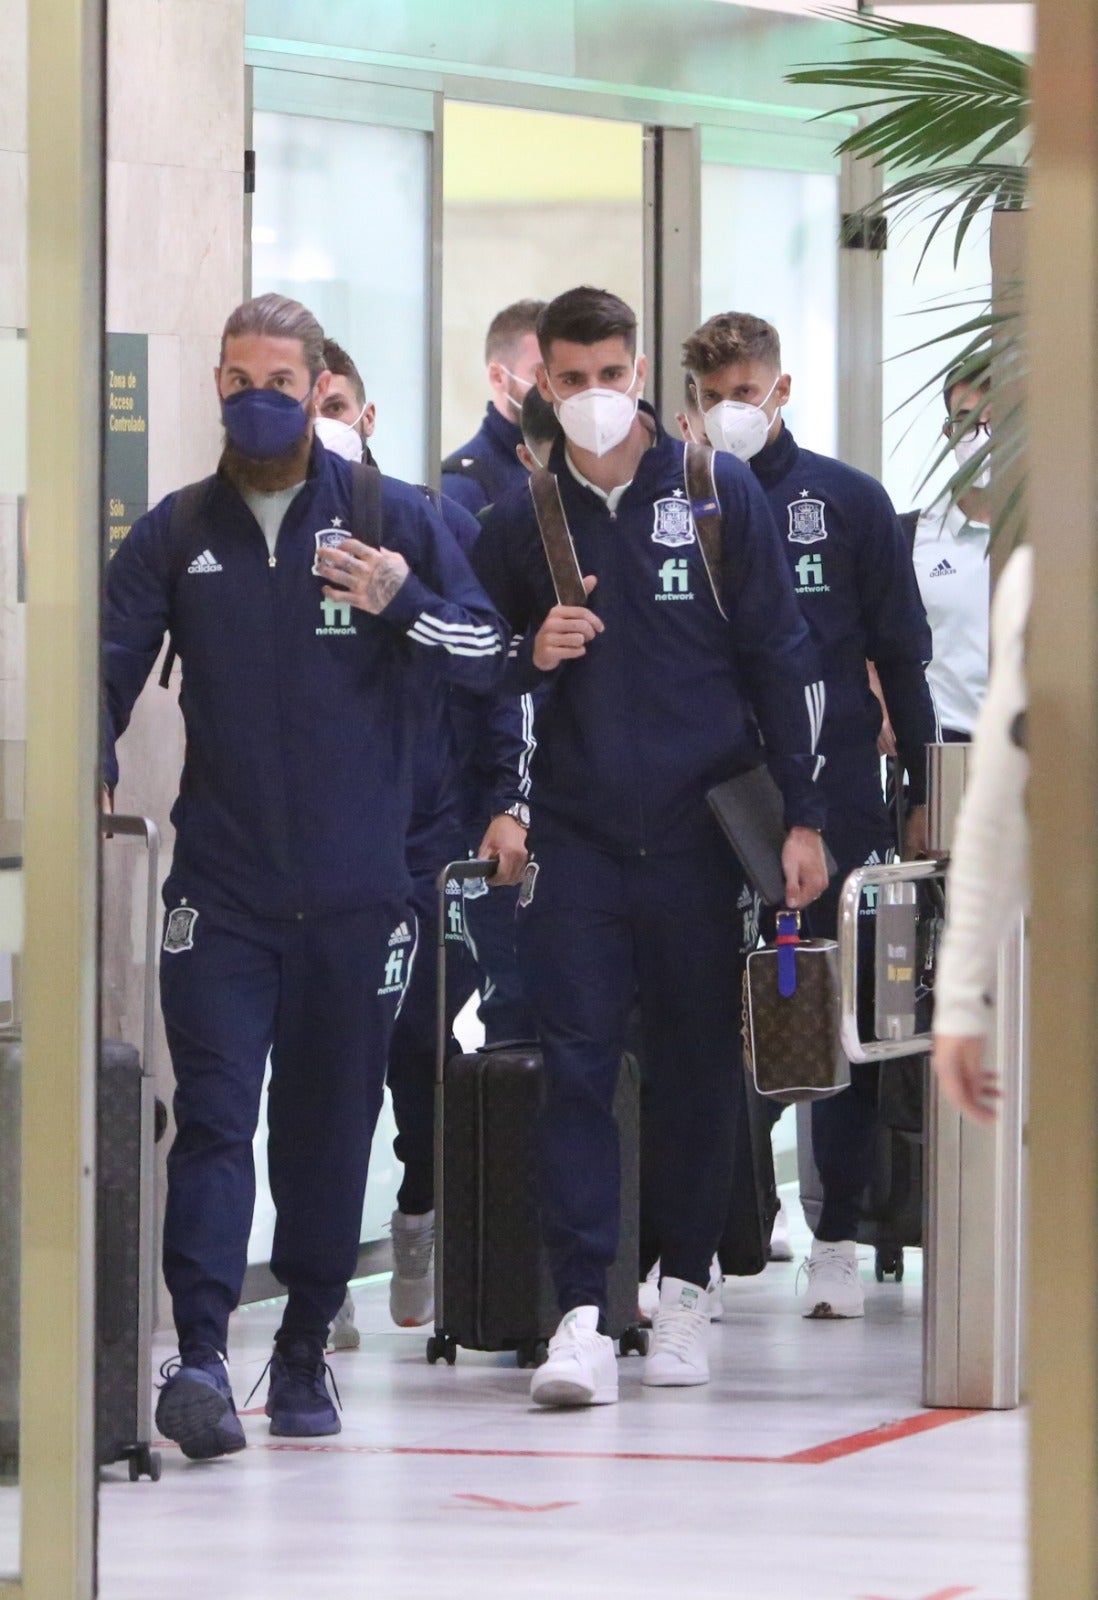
<point x="520" y="812"/>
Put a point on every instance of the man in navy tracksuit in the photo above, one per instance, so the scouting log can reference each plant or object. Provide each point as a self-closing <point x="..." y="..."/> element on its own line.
<point x="288" y="928"/>
<point x="470" y="786"/>
<point x="857" y="591"/>
<point x="653" y="697"/>
<point x="486" y="467"/>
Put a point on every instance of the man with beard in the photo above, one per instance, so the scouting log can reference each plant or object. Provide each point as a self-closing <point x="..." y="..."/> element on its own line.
<point x="287" y="928"/>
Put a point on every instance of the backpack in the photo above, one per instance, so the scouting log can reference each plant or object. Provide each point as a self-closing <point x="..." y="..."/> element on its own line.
<point x="187" y="533"/>
<point x="469" y="467"/>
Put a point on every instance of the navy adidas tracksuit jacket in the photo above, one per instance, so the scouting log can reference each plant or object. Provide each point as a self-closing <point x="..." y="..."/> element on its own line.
<point x="294" y="705"/>
<point x="857" y="591"/>
<point x="635" y="894"/>
<point x="288" y="928"/>
<point x="489" y="467"/>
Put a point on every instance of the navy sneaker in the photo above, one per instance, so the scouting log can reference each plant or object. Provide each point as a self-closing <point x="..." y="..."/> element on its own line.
<point x="196" y="1408"/>
<point x="298" y="1402"/>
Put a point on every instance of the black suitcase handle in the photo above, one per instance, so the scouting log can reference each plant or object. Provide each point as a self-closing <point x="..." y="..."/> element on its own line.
<point x="465" y="871"/>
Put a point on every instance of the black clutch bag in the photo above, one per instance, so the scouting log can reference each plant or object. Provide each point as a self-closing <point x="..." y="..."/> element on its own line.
<point x="750" y="811"/>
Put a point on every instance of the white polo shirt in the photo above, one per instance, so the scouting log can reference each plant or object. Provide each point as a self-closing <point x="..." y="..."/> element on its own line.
<point x="950" y="556"/>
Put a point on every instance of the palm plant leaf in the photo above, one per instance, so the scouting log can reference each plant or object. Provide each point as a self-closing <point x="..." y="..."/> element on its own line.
<point x="943" y="113"/>
<point x="947" y="94"/>
<point x="945" y="109"/>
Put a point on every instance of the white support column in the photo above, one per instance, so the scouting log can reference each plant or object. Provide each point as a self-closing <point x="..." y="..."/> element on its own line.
<point x="860" y="341"/>
<point x="672" y="259"/>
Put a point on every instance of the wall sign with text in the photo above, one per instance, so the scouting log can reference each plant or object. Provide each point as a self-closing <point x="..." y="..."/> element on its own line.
<point x="125" y="435"/>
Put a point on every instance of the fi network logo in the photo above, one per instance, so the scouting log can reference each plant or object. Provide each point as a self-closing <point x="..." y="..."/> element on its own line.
<point x="675" y="579"/>
<point x="337" y="618"/>
<point x="810" y="575"/>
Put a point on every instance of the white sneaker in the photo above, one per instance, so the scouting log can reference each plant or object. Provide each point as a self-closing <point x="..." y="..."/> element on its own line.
<point x="412" y="1290"/>
<point x="343" y="1334"/>
<point x="582" y="1369"/>
<point x="780" y="1247"/>
<point x="648" y="1296"/>
<point x="678" y="1354"/>
<point x="834" y="1288"/>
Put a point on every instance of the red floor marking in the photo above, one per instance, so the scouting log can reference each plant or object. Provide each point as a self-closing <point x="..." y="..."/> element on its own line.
<point x="925" y="1422"/>
<point x="484" y="1502"/>
<point x="942" y="1594"/>
<point x="817" y="1456"/>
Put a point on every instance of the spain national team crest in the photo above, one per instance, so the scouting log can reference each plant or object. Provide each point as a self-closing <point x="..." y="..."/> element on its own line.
<point x="673" y="525"/>
<point x="806" y="520"/>
<point x="179" y="931"/>
<point x="329" y="539"/>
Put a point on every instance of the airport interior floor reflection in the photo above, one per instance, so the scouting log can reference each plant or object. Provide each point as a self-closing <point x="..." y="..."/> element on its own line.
<point x="807" y="1470"/>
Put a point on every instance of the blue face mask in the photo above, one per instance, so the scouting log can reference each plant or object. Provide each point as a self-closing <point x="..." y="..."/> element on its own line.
<point x="263" y="423"/>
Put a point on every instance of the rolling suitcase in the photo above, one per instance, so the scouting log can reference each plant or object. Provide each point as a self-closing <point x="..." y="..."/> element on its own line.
<point x="493" y="1289"/>
<point x="125" y="1259"/>
<point x="129" y="1121"/>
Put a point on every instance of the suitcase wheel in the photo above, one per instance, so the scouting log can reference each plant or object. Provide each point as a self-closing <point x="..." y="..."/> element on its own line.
<point x="440" y="1347"/>
<point x="890" y="1263"/>
<point x="532" y="1355"/>
<point x="634" y="1341"/>
<point x="144" y="1463"/>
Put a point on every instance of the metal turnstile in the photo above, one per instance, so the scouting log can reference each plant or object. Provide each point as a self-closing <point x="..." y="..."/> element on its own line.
<point x="972" y="1266"/>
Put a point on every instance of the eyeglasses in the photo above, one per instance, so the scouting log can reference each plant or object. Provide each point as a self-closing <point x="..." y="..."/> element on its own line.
<point x="972" y="434"/>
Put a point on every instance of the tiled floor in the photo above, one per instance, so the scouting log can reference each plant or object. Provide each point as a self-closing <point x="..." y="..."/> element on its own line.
<point x="446" y="1483"/>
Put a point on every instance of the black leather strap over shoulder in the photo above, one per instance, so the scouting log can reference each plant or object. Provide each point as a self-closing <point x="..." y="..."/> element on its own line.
<point x="187" y="536"/>
<point x="366" y="504"/>
<point x="701" y="491"/>
<point x="556" y="539"/>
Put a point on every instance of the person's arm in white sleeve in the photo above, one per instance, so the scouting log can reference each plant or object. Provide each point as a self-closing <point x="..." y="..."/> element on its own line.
<point x="988" y="873"/>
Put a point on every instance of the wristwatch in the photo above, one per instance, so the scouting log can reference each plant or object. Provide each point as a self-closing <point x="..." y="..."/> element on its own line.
<point x="520" y="811"/>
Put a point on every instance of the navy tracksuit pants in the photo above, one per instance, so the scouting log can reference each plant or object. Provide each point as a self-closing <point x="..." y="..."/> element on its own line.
<point x="844" y="1128"/>
<point x="320" y="995"/>
<point x="490" y="930"/>
<point x="601" y="934"/>
<point x="413" y="1046"/>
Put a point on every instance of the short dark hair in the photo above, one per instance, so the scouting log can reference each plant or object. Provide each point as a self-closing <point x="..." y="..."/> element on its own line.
<point x="728" y="339"/>
<point x="538" y="421"/>
<point x="340" y="365"/>
<point x="586" y="316"/>
<point x="273" y="316"/>
<point x="966" y="375"/>
<point x="509" y="327"/>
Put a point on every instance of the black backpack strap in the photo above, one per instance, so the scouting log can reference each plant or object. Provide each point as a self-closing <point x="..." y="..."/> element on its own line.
<point x="701" y="491"/>
<point x="433" y="495"/>
<point x="556" y="539"/>
<point x="366" y="504"/>
<point x="186" y="537"/>
<point x="909" y="521"/>
<point x="469" y="467"/>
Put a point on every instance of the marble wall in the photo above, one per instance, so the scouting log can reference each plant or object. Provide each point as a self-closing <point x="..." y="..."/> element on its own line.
<point x="175" y="264"/>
